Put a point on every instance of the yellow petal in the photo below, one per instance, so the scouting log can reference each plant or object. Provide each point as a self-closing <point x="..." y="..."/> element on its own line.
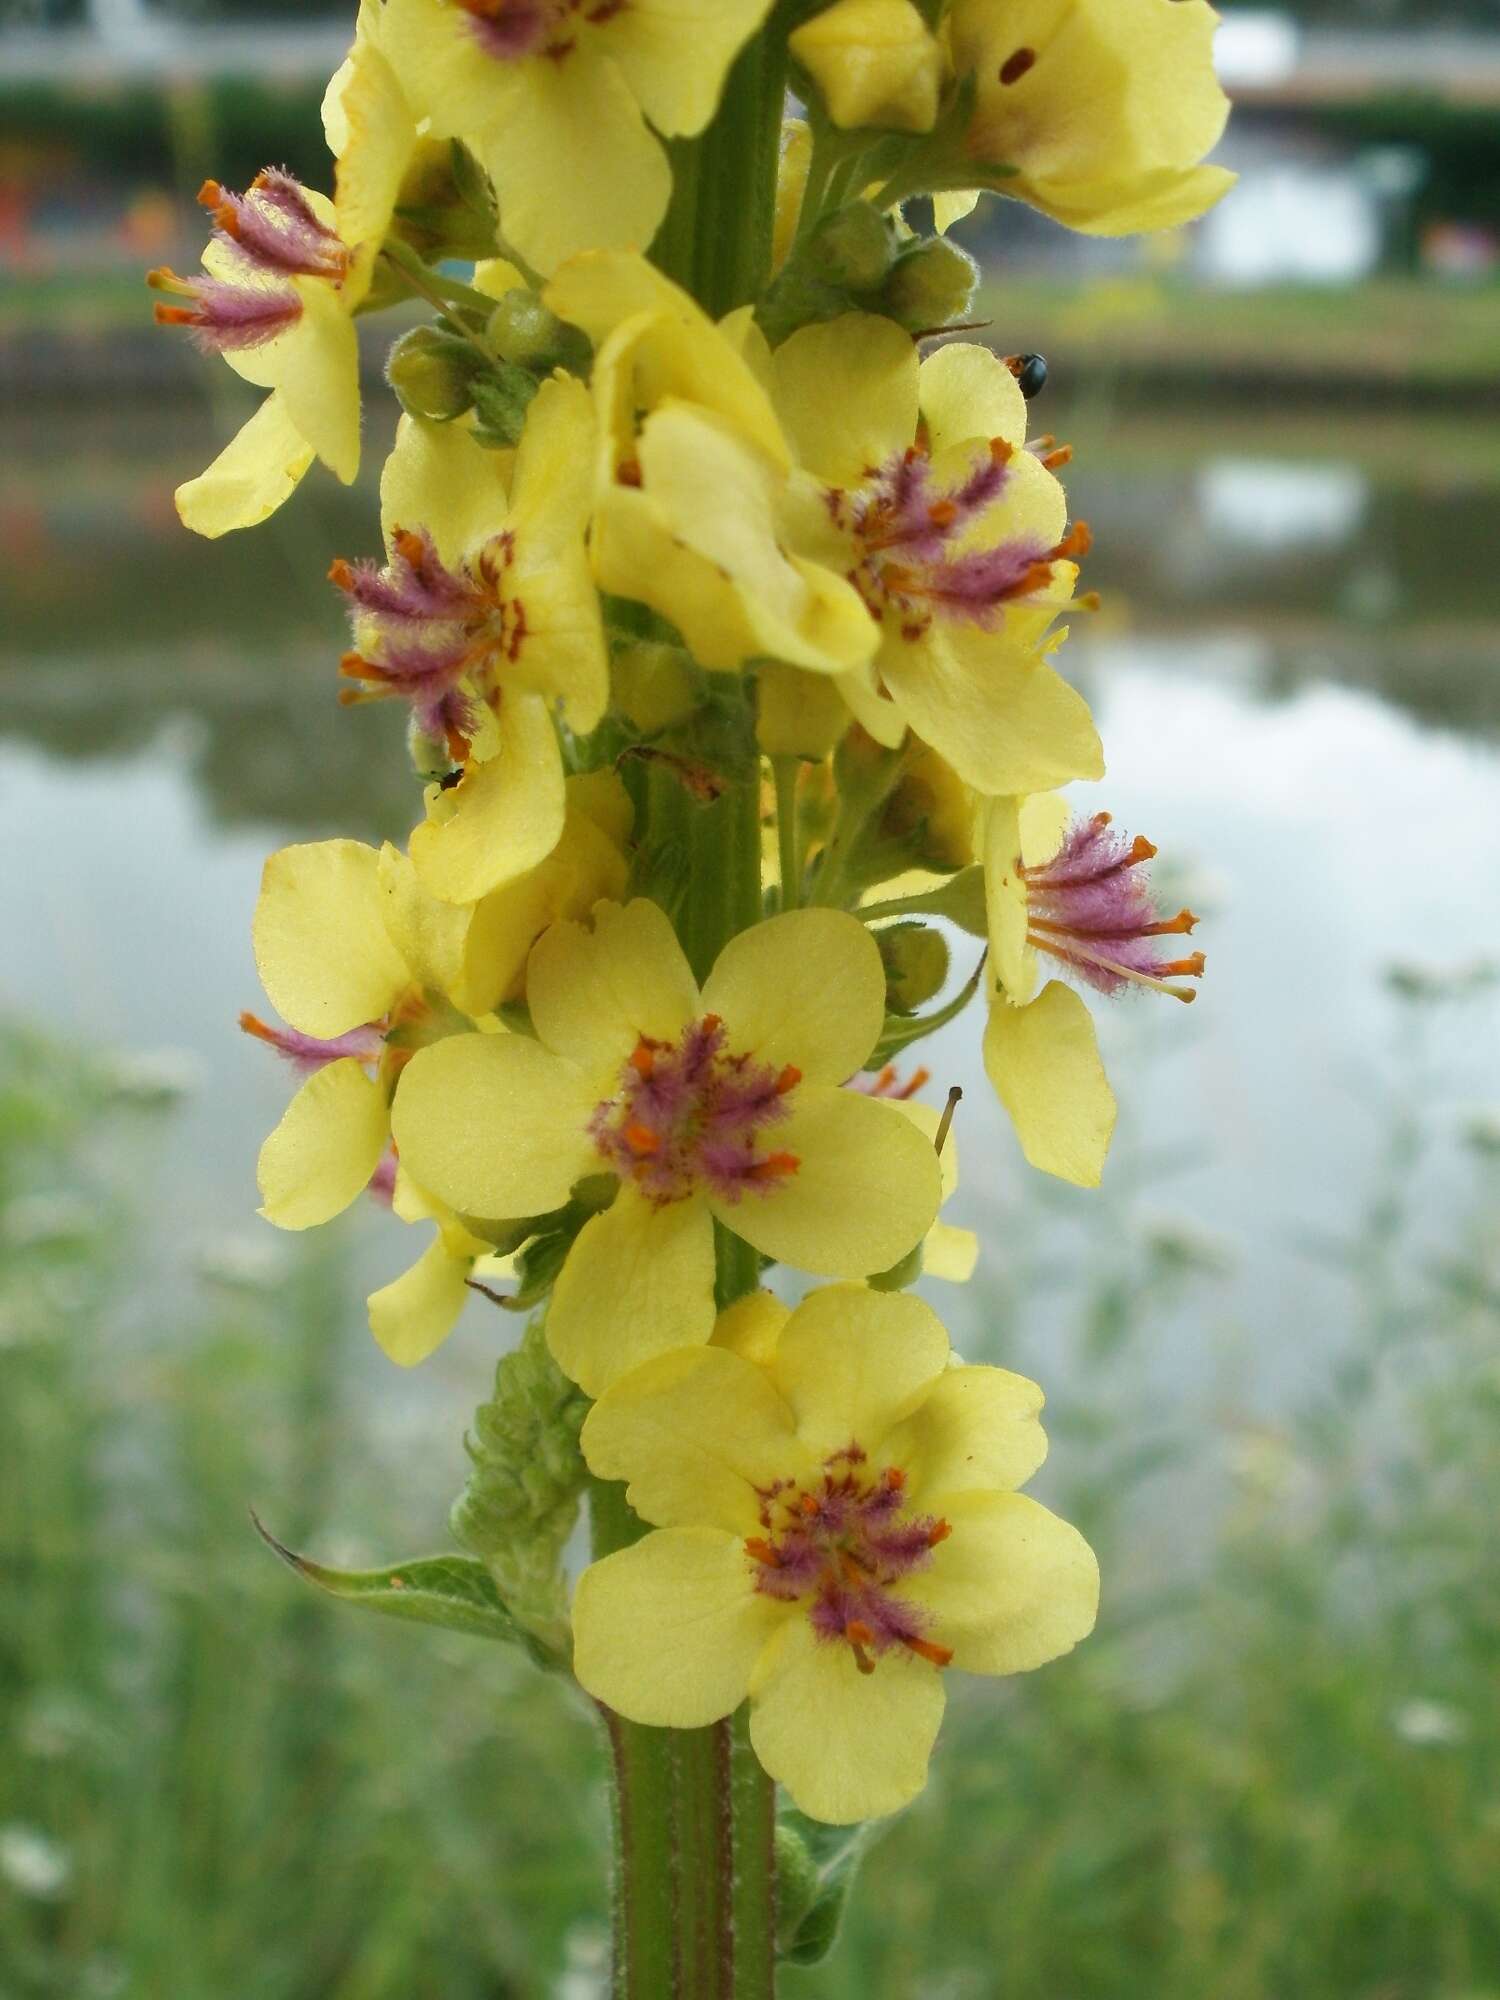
<point x="668" y="1631"/>
<point x="846" y="390"/>
<point x="561" y="655"/>
<point x="585" y="865"/>
<point x="848" y="1746"/>
<point x="319" y="380"/>
<point x="696" y="1432"/>
<point x="968" y="392"/>
<point x="1043" y="822"/>
<point x="950" y="1253"/>
<point x="431" y="937"/>
<point x="805" y="988"/>
<point x="638" y="1281"/>
<point x="595" y="993"/>
<point x="601" y="796"/>
<point x="439" y="479"/>
<point x="1011" y="1588"/>
<point x="752" y="1326"/>
<point x="798" y="714"/>
<point x="502" y="817"/>
<point x="413" y="1315"/>
<point x="380" y="138"/>
<point x="853" y="1364"/>
<point x="950" y="208"/>
<point x="1012" y="958"/>
<point x="574" y="164"/>
<point x="674" y="54"/>
<point x="260" y="467"/>
<point x="325" y="1149"/>
<point x="1004" y="719"/>
<point x="866" y="1189"/>
<point x="978" y="1430"/>
<point x="1043" y="1060"/>
<point x="495" y="1125"/>
<point x="322" y="949"/>
<point x="876" y="63"/>
<point x="791" y="185"/>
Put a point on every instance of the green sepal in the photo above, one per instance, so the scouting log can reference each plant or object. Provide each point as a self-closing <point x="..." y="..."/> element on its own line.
<point x="900" y="1033"/>
<point x="960" y="899"/>
<point x="900" y="1275"/>
<point x="816" y="1867"/>
<point x="456" y="1592"/>
<point x="501" y="400"/>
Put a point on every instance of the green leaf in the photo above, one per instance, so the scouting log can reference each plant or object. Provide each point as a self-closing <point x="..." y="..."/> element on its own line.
<point x="820" y="1863"/>
<point x="456" y="1592"/>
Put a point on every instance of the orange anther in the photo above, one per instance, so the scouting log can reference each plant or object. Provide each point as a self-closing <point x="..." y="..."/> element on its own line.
<point x="942" y="513"/>
<point x="938" y="1532"/>
<point x="642" y="1141"/>
<point x="1076" y="542"/>
<point x="340" y="573"/>
<point x="774" y="1165"/>
<point x="643" y="1058"/>
<point x="763" y="1551"/>
<point x="252" y="1024"/>
<point x="926" y="1650"/>
<point x="408" y="543"/>
<point x="859" y="1633"/>
<point x="1189" y="968"/>
<point x="1001" y="451"/>
<point x="174" y="316"/>
<point x="1056" y="460"/>
<point x="628" y="472"/>
<point x="807" y="1503"/>
<point x="789" y="1078"/>
<point x="895" y="1475"/>
<point x="1141" y="849"/>
<point x="712" y="1023"/>
<point x="919" y="1076"/>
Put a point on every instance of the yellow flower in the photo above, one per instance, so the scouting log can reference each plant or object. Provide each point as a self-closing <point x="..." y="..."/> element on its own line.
<point x="554" y="97"/>
<point x="364" y="966"/>
<point x="721" y="1105"/>
<point x="484" y="618"/>
<point x="876" y="63"/>
<point x="283" y="276"/>
<point x="1076" y="894"/>
<point x="956" y="537"/>
<point x="354" y="960"/>
<point x="1104" y="107"/>
<point x="692" y="471"/>
<point x="836" y="1521"/>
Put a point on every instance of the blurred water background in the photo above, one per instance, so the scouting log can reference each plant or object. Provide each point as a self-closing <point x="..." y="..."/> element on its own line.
<point x="1269" y="1344"/>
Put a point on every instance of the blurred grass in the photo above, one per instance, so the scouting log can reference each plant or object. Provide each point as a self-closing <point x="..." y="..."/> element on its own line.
<point x="1275" y="1771"/>
<point x="1389" y="332"/>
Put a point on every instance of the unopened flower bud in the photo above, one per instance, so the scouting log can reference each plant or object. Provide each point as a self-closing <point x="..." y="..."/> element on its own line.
<point x="798" y="714"/>
<point x="853" y="247"/>
<point x="431" y="372"/>
<point x="654" y="684"/>
<point x="929" y="814"/>
<point x="876" y="62"/>
<point x="931" y="284"/>
<point x="915" y="958"/>
<point x="502" y="396"/>
<point x="524" y="331"/>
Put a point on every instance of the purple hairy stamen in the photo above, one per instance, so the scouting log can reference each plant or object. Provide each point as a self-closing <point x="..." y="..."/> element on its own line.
<point x="1091" y="906"/>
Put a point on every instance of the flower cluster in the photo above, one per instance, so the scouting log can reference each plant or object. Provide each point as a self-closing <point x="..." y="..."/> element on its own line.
<point x="725" y="607"/>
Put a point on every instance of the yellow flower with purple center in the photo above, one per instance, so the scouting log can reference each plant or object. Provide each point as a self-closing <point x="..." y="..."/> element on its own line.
<point x="695" y="1107"/>
<point x="283" y="275"/>
<point x="1076" y="893"/>
<point x="485" y="620"/>
<point x="836" y="1523"/>
<point x="1096" y="112"/>
<point x="554" y="96"/>
<point x="918" y="486"/>
<point x="692" y="474"/>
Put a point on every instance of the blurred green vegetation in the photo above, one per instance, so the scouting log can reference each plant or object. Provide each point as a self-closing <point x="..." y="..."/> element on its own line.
<point x="1275" y="1770"/>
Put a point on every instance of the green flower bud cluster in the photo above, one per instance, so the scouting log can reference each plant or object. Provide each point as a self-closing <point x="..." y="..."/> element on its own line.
<point x="856" y="260"/>
<point x="521" y="1500"/>
<point x="441" y="371"/>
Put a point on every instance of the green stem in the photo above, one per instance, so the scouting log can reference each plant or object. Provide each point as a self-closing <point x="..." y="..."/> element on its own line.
<point x="784" y="771"/>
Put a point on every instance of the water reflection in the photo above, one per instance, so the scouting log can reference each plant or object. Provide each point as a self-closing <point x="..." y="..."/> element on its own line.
<point x="170" y="709"/>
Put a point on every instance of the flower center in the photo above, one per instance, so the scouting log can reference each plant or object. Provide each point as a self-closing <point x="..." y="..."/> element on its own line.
<point x="842" y="1547"/>
<point x="428" y="633"/>
<point x="1092" y="907"/>
<point x="511" y="30"/>
<point x="273" y="236"/>
<point x="907" y="534"/>
<point x="690" y="1114"/>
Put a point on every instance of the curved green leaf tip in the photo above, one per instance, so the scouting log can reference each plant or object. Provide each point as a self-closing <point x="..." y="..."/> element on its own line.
<point x="456" y="1592"/>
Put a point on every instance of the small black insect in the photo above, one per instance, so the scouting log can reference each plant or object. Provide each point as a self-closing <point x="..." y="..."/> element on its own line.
<point x="448" y="780"/>
<point x="1030" y="371"/>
